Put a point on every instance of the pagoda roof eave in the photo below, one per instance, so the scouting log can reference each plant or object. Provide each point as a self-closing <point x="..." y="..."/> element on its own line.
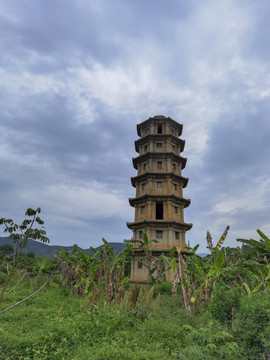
<point x="145" y="197"/>
<point x="159" y="136"/>
<point x="148" y="155"/>
<point x="160" y="175"/>
<point x="159" y="223"/>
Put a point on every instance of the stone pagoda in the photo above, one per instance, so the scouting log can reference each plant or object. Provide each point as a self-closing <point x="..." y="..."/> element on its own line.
<point x="159" y="203"/>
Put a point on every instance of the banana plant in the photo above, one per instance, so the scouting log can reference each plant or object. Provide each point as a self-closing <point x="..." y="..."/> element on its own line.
<point x="259" y="268"/>
<point x="206" y="273"/>
<point x="181" y="277"/>
<point x="261" y="247"/>
<point x="149" y="260"/>
<point x="143" y="244"/>
<point x="78" y="269"/>
<point x="253" y="291"/>
<point x="259" y="275"/>
<point x="95" y="269"/>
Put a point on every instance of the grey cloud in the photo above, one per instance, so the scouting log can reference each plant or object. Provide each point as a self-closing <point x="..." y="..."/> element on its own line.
<point x="239" y="145"/>
<point x="234" y="163"/>
<point x="58" y="29"/>
<point x="96" y="151"/>
<point x="47" y="145"/>
<point x="259" y="41"/>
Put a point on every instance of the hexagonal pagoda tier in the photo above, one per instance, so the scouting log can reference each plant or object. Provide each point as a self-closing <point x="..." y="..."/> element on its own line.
<point x="159" y="203"/>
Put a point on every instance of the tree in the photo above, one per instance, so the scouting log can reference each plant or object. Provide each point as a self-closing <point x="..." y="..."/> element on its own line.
<point x="20" y="234"/>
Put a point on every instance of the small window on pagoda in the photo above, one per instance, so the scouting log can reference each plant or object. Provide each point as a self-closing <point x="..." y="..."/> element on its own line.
<point x="159" y="164"/>
<point x="174" y="166"/>
<point x="175" y="187"/>
<point x="142" y="209"/>
<point x="143" y="186"/>
<point x="159" y="234"/>
<point x="159" y="185"/>
<point x="139" y="265"/>
<point x="140" y="234"/>
<point x="159" y="129"/>
<point x="159" y="211"/>
<point x="173" y="147"/>
<point x="177" y="235"/>
<point x="144" y="167"/>
<point x="159" y="145"/>
<point x="175" y="209"/>
<point x="145" y="148"/>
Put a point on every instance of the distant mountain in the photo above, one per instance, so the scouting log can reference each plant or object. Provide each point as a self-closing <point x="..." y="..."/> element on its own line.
<point x="116" y="246"/>
<point x="40" y="249"/>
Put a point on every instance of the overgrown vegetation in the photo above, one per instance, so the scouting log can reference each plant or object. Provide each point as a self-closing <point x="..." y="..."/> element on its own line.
<point x="81" y="306"/>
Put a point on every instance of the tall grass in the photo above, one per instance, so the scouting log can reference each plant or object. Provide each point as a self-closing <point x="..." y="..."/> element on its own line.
<point x="58" y="324"/>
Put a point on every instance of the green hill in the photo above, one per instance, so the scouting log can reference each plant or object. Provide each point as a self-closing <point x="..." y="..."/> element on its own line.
<point x="40" y="249"/>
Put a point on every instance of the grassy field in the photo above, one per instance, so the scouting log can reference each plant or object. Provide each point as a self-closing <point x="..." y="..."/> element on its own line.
<point x="79" y="305"/>
<point x="57" y="324"/>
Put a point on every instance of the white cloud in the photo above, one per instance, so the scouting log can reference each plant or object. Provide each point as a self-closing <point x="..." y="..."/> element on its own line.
<point x="250" y="198"/>
<point x="79" y="204"/>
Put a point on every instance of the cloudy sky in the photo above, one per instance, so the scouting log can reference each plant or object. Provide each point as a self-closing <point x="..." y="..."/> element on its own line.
<point x="77" y="76"/>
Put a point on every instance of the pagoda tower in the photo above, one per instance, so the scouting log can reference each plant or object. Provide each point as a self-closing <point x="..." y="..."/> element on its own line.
<point x="159" y="203"/>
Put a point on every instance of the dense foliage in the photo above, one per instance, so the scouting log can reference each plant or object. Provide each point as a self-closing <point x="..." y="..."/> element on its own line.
<point x="81" y="305"/>
<point x="57" y="324"/>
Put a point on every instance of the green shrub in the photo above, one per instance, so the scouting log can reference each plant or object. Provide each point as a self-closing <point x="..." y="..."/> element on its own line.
<point x="225" y="304"/>
<point x="6" y="249"/>
<point x="3" y="277"/>
<point x="163" y="288"/>
<point x="251" y="326"/>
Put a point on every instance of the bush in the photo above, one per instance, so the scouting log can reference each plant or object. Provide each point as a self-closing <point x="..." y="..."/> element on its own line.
<point x="251" y="325"/>
<point x="3" y="277"/>
<point x="164" y="288"/>
<point x="224" y="304"/>
<point x="6" y="249"/>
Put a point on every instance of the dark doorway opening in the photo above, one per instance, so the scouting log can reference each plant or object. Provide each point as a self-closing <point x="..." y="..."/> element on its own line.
<point x="159" y="211"/>
<point x="159" y="129"/>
